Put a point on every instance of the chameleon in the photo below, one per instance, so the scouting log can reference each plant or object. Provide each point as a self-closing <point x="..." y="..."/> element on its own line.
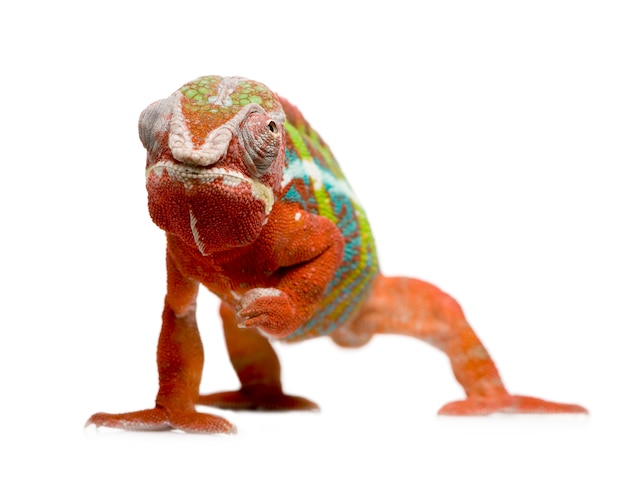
<point x="256" y="208"/>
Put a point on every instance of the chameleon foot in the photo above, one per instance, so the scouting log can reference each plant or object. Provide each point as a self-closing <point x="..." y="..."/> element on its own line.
<point x="159" y="419"/>
<point x="507" y="404"/>
<point x="257" y="398"/>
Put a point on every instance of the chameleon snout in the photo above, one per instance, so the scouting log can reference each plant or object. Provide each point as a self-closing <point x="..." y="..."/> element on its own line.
<point x="210" y="209"/>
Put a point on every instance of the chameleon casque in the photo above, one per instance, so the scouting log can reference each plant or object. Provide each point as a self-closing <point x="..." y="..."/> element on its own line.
<point x="256" y="208"/>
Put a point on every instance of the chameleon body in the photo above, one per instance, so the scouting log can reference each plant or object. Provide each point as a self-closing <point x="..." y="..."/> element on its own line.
<point x="256" y="208"/>
<point x="313" y="180"/>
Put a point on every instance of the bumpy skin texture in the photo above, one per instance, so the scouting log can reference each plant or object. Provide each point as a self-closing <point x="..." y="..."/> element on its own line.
<point x="256" y="209"/>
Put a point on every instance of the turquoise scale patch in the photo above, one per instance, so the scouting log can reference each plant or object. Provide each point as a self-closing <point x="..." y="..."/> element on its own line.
<point x="350" y="285"/>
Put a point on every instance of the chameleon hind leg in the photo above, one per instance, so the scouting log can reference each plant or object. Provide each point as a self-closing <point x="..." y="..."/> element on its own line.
<point x="258" y="370"/>
<point x="406" y="306"/>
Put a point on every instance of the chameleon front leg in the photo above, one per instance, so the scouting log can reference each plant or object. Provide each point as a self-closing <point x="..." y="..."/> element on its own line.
<point x="406" y="306"/>
<point x="180" y="359"/>
<point x="304" y="251"/>
<point x="258" y="369"/>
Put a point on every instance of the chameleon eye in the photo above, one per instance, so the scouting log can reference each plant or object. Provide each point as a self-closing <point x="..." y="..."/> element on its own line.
<point x="154" y="121"/>
<point x="261" y="140"/>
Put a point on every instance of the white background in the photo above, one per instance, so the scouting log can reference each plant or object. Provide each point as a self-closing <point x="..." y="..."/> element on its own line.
<point x="486" y="141"/>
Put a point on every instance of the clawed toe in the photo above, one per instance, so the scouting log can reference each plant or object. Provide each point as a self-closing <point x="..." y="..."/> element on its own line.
<point x="507" y="404"/>
<point x="159" y="419"/>
<point x="257" y="399"/>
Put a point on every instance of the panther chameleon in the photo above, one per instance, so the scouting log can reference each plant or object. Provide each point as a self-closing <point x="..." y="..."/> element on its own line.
<point x="256" y="208"/>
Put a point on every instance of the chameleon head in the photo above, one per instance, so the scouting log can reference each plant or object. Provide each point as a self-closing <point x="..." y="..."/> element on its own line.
<point x="216" y="152"/>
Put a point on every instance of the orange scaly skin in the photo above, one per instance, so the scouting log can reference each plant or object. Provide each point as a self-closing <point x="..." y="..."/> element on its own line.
<point x="256" y="209"/>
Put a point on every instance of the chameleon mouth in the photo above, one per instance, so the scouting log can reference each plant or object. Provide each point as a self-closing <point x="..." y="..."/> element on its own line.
<point x="191" y="176"/>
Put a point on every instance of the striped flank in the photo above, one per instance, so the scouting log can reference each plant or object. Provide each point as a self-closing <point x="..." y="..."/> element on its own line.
<point x="314" y="180"/>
